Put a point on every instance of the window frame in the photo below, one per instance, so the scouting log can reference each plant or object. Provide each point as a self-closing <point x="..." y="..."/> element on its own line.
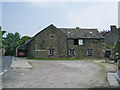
<point x="71" y="52"/>
<point x="89" y="52"/>
<point x="80" y="43"/>
<point x="51" y="52"/>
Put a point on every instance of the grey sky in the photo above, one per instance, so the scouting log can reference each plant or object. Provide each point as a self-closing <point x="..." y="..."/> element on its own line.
<point x="119" y="14"/>
<point x="28" y="18"/>
<point x="0" y="13"/>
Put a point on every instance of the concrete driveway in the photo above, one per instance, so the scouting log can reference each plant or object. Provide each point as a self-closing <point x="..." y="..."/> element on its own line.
<point x="57" y="74"/>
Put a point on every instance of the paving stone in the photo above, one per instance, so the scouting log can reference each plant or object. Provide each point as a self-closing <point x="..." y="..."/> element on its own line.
<point x="112" y="80"/>
<point x="20" y="64"/>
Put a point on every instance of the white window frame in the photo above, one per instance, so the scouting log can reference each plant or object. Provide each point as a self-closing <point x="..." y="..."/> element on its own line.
<point x="80" y="41"/>
<point x="89" y="52"/>
<point x="51" y="52"/>
<point x="72" y="52"/>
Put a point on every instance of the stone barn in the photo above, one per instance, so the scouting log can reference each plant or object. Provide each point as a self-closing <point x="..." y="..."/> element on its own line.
<point x="69" y="43"/>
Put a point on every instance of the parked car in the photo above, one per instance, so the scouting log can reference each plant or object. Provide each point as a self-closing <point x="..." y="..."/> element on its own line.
<point x="117" y="73"/>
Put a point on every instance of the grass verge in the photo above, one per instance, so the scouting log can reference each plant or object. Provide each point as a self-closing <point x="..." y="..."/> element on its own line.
<point x="102" y="71"/>
<point x="102" y="66"/>
<point x="30" y="63"/>
<point x="65" y="59"/>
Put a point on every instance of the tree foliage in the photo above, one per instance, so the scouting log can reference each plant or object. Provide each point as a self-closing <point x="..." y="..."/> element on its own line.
<point x="107" y="47"/>
<point x="23" y="39"/>
<point x="12" y="41"/>
<point x="2" y="50"/>
<point x="1" y="37"/>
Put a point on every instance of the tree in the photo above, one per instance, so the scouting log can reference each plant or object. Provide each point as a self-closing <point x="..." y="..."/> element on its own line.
<point x="2" y="38"/>
<point x="23" y="39"/>
<point x="10" y="43"/>
<point x="1" y="35"/>
<point x="2" y="50"/>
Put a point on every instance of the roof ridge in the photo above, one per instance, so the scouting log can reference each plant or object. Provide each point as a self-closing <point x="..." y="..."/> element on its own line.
<point x="80" y="28"/>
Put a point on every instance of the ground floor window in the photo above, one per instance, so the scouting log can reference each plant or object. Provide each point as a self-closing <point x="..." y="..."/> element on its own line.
<point x="89" y="52"/>
<point x="72" y="52"/>
<point x="107" y="54"/>
<point x="51" y="52"/>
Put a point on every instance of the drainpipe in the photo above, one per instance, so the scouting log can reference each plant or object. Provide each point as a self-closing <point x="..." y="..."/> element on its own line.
<point x="119" y="49"/>
<point x="34" y="49"/>
<point x="118" y="44"/>
<point x="67" y="47"/>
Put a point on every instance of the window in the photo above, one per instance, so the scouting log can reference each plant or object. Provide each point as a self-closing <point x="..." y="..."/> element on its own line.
<point x="72" y="52"/>
<point x="89" y="52"/>
<point x="51" y="52"/>
<point x="78" y="41"/>
<point x="107" y="54"/>
<point x="52" y="36"/>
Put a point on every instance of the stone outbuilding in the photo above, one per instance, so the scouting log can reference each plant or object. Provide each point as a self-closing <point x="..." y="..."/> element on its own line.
<point x="69" y="43"/>
<point x="117" y="49"/>
<point x="112" y="39"/>
<point x="22" y="50"/>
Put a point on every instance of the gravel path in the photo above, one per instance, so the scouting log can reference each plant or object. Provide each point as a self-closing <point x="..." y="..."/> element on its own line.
<point x="57" y="74"/>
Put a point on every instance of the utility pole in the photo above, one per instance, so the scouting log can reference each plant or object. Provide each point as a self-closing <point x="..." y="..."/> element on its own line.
<point x="119" y="45"/>
<point x="119" y="29"/>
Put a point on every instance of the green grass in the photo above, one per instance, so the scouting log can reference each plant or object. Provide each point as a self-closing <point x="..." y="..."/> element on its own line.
<point x="102" y="71"/>
<point x="102" y="66"/>
<point x="66" y="59"/>
<point x="30" y="63"/>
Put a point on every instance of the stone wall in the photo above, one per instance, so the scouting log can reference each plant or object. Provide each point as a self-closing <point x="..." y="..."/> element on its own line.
<point x="50" y="38"/>
<point x="81" y="50"/>
<point x="53" y="38"/>
<point x="111" y="38"/>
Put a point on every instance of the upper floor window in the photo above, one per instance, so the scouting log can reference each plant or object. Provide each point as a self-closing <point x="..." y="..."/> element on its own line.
<point x="51" y="52"/>
<point x="89" y="52"/>
<point x="72" y="52"/>
<point x="52" y="36"/>
<point x="78" y="41"/>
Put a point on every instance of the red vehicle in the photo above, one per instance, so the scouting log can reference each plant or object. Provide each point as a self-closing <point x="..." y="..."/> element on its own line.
<point x="21" y="53"/>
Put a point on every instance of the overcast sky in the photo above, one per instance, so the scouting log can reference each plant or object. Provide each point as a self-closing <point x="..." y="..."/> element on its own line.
<point x="28" y="18"/>
<point x="119" y="14"/>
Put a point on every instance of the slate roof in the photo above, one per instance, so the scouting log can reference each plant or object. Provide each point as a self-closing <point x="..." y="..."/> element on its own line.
<point x="76" y="32"/>
<point x="81" y="33"/>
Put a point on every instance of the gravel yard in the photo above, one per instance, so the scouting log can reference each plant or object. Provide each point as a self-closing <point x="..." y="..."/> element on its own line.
<point x="57" y="74"/>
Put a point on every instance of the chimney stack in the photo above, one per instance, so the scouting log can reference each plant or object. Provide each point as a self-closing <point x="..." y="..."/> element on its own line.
<point x="113" y="27"/>
<point x="77" y="28"/>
